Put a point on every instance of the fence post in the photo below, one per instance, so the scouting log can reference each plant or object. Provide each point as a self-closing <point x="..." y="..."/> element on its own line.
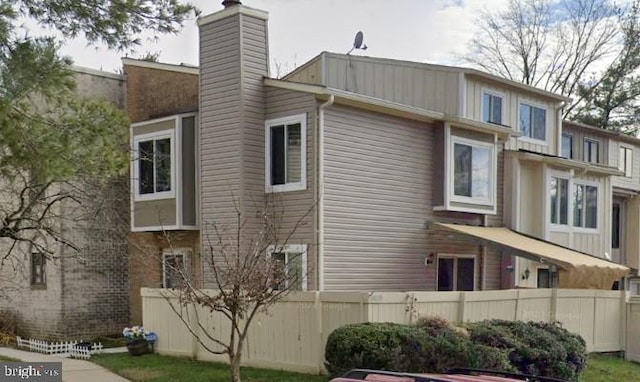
<point x="553" y="316"/>
<point x="193" y="322"/>
<point x="462" y="307"/>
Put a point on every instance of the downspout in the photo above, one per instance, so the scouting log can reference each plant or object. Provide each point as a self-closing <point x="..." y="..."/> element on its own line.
<point x="559" y="112"/>
<point x="320" y="187"/>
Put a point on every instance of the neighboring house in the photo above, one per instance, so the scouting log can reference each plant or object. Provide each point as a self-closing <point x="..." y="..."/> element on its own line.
<point x="412" y="169"/>
<point x="77" y="295"/>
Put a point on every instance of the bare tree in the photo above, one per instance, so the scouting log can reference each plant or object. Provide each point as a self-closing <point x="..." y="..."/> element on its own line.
<point x="250" y="274"/>
<point x="559" y="46"/>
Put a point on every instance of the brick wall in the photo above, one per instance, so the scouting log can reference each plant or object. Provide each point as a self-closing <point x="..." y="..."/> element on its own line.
<point x="145" y="262"/>
<point x="153" y="93"/>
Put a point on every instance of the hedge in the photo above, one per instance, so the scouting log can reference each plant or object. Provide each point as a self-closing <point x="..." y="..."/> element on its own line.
<point x="434" y="345"/>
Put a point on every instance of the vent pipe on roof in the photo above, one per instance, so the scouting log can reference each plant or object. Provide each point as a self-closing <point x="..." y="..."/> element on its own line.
<point x="231" y="3"/>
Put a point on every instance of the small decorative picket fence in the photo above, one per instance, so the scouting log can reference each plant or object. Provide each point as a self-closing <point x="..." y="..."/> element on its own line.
<point x="66" y="349"/>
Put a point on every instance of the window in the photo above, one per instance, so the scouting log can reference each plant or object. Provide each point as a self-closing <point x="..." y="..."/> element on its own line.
<point x="174" y="268"/>
<point x="491" y="108"/>
<point x="625" y="160"/>
<point x="533" y="122"/>
<point x="286" y="153"/>
<point x="615" y="226"/>
<point x="544" y="278"/>
<point x="567" y="146"/>
<point x="456" y="273"/>
<point x="293" y="260"/>
<point x="473" y="167"/>
<point x="154" y="165"/>
<point x="559" y="192"/>
<point x="585" y="206"/>
<point x="591" y="151"/>
<point x="38" y="275"/>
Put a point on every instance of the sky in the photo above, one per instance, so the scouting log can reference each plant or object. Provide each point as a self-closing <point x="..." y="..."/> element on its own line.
<point x="416" y="30"/>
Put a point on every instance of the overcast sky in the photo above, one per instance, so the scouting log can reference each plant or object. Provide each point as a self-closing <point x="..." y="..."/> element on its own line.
<point x="416" y="30"/>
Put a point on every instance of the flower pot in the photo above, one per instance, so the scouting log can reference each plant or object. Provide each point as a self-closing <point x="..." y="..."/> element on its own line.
<point x="138" y="347"/>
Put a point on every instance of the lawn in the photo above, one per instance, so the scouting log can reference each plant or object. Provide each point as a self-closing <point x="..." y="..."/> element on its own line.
<point x="155" y="368"/>
<point x="602" y="368"/>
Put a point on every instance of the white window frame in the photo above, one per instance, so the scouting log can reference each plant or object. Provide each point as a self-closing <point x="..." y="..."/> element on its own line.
<point x="184" y="253"/>
<point x="560" y="226"/>
<point x="493" y="93"/>
<point x="572" y="145"/>
<point x="293" y="248"/>
<point x="598" y="209"/>
<point x="584" y="153"/>
<point x="289" y="120"/>
<point x="547" y="133"/>
<point x="492" y="172"/>
<point x="625" y="164"/>
<point x="157" y="135"/>
<point x="569" y="227"/>
<point x="455" y="268"/>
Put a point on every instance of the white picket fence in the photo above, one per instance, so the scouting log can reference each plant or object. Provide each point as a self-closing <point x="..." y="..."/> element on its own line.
<point x="66" y="349"/>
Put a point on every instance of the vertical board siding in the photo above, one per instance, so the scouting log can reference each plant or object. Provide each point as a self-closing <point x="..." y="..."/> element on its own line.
<point x="309" y="73"/>
<point x="633" y="182"/>
<point x="377" y="196"/>
<point x="295" y="204"/>
<point x="531" y="199"/>
<point x="403" y="82"/>
<point x="189" y="180"/>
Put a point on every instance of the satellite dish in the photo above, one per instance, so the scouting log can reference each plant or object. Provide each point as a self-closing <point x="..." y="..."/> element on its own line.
<point x="358" y="42"/>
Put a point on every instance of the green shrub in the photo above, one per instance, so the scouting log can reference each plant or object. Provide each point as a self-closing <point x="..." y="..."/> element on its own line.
<point x="533" y="347"/>
<point x="368" y="345"/>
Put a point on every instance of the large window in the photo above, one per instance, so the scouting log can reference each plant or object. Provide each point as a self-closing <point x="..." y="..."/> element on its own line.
<point x="456" y="273"/>
<point x="286" y="154"/>
<point x="38" y="275"/>
<point x="625" y="161"/>
<point x="293" y="261"/>
<point x="472" y="171"/>
<point x="174" y="268"/>
<point x="567" y="146"/>
<point x="585" y="206"/>
<point x="559" y="191"/>
<point x="533" y="122"/>
<point x="591" y="152"/>
<point x="491" y="108"/>
<point x="154" y="165"/>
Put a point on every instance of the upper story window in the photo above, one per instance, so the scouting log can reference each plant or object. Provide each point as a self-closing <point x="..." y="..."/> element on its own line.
<point x="154" y="173"/>
<point x="286" y="154"/>
<point x="591" y="152"/>
<point x="585" y="206"/>
<point x="473" y="171"/>
<point x="625" y="161"/>
<point x="293" y="260"/>
<point x="559" y="192"/>
<point x="533" y="122"/>
<point x="491" y="108"/>
<point x="567" y="146"/>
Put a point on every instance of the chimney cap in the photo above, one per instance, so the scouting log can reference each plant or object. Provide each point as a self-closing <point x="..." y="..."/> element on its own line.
<point x="230" y="3"/>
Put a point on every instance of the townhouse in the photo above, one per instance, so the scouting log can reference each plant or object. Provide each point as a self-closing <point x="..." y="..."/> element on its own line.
<point x="419" y="176"/>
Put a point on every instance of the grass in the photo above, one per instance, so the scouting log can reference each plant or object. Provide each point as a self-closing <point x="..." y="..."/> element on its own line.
<point x="604" y="368"/>
<point x="157" y="368"/>
<point x="8" y="359"/>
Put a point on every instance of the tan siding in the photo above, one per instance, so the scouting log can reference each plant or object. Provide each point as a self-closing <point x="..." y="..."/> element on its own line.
<point x="560" y="238"/>
<point x="632" y="183"/>
<point x="632" y="239"/>
<point x="154" y="213"/>
<point x="283" y="103"/>
<point x="396" y="81"/>
<point x="310" y="73"/>
<point x="220" y="123"/>
<point x="531" y="199"/>
<point x="154" y="127"/>
<point x="377" y="199"/>
<point x="579" y="137"/>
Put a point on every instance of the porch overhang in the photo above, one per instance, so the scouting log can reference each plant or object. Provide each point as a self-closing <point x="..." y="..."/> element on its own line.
<point x="575" y="269"/>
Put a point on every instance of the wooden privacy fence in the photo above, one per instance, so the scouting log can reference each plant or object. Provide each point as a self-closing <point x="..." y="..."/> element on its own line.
<point x="293" y="334"/>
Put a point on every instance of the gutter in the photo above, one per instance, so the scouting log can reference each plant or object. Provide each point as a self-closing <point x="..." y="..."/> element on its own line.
<point x="320" y="187"/>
